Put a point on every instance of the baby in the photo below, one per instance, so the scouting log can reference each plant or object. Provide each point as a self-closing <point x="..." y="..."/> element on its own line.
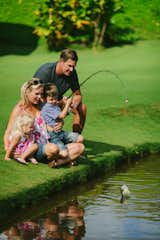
<point x="21" y="145"/>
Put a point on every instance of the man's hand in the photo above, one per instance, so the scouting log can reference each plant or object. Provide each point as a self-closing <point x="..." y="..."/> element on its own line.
<point x="58" y="125"/>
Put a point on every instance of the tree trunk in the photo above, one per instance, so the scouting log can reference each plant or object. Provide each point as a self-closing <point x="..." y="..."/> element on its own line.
<point x="103" y="30"/>
<point x="96" y="31"/>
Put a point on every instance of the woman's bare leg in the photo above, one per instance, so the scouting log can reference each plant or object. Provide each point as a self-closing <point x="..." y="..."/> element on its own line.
<point x="74" y="150"/>
<point x="80" y="139"/>
<point x="51" y="151"/>
<point x="64" y="153"/>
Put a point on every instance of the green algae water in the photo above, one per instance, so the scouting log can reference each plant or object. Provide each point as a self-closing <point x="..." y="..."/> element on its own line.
<point x="94" y="211"/>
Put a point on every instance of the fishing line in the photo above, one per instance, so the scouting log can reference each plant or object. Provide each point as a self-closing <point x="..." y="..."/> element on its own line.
<point x="106" y="71"/>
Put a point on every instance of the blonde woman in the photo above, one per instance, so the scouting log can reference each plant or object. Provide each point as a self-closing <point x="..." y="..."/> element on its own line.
<point x="30" y="103"/>
<point x="22" y="139"/>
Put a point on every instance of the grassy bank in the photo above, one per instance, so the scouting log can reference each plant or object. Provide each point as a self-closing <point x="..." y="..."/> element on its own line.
<point x="113" y="128"/>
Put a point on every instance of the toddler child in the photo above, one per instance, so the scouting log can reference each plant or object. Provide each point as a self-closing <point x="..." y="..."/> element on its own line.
<point x="22" y="146"/>
<point x="52" y="113"/>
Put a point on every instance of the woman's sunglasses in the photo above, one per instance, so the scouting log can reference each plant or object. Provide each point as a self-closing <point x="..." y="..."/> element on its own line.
<point x="34" y="82"/>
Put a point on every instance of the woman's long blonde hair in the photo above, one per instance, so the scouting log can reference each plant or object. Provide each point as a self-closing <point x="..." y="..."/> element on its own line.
<point x="27" y="88"/>
<point x="22" y="120"/>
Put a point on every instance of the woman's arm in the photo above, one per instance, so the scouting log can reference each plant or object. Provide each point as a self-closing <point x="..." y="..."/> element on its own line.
<point x="11" y="148"/>
<point x="16" y="111"/>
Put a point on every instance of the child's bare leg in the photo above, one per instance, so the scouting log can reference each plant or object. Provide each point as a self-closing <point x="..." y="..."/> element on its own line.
<point x="29" y="152"/>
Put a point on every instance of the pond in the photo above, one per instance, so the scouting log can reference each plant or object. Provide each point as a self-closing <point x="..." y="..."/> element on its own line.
<point x="94" y="211"/>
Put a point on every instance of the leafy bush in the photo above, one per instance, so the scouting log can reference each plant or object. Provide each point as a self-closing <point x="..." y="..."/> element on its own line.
<point x="89" y="22"/>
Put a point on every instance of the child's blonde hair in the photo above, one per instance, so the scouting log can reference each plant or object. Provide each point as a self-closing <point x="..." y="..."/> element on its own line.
<point x="22" y="120"/>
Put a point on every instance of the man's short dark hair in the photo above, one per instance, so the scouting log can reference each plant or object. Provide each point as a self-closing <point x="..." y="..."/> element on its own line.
<point x="69" y="54"/>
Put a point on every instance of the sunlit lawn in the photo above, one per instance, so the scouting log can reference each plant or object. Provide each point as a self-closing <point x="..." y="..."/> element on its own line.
<point x="111" y="123"/>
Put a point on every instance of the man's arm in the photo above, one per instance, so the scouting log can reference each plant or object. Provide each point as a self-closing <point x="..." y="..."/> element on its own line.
<point x="77" y="98"/>
<point x="76" y="92"/>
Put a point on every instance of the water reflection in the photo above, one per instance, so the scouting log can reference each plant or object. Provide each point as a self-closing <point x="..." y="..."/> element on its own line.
<point x="61" y="223"/>
<point x="93" y="211"/>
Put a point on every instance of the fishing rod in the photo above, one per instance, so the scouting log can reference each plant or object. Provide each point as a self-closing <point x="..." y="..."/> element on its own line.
<point x="106" y="71"/>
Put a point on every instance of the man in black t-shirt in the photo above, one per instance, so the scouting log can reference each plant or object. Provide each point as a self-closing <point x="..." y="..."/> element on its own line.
<point x="64" y="76"/>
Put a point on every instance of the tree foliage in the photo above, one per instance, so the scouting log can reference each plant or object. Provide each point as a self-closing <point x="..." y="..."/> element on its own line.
<point x="91" y="22"/>
<point x="80" y="21"/>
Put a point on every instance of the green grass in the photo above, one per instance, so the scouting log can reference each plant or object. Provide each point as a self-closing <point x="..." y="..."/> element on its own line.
<point x="18" y="11"/>
<point x="112" y="126"/>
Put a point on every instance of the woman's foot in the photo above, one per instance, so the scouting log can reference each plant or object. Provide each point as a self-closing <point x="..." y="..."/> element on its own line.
<point x="58" y="163"/>
<point x="73" y="163"/>
<point x="52" y="164"/>
<point x="22" y="161"/>
<point x="33" y="161"/>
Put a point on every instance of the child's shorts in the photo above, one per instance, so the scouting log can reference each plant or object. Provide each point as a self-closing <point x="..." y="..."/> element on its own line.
<point x="40" y="154"/>
<point x="62" y="138"/>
